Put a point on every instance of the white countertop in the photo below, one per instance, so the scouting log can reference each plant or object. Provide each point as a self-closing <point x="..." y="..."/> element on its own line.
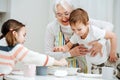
<point x="18" y="75"/>
<point x="50" y="77"/>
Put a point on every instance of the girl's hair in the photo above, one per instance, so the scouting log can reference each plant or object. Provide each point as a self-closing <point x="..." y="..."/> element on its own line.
<point x="78" y="15"/>
<point x="7" y="28"/>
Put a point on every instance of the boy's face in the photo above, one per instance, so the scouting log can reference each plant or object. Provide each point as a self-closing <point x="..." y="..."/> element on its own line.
<point x="21" y="35"/>
<point x="80" y="29"/>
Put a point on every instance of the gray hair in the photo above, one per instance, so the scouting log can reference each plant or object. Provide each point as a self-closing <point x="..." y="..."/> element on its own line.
<point x="71" y="3"/>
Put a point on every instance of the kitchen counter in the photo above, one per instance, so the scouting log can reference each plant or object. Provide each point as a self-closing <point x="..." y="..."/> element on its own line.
<point x="50" y="77"/>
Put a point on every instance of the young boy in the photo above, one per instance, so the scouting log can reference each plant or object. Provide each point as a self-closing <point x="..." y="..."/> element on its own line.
<point x="85" y="33"/>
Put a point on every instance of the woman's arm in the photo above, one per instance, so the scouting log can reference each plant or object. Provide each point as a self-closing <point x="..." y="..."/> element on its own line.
<point x="50" y="44"/>
<point x="64" y="48"/>
<point x="113" y="40"/>
<point x="102" y="24"/>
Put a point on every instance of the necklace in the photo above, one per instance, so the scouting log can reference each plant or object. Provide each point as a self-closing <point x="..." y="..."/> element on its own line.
<point x="61" y="38"/>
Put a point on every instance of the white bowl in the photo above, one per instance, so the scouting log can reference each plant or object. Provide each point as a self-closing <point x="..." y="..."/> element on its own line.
<point x="60" y="73"/>
<point x="51" y="70"/>
<point x="72" y="71"/>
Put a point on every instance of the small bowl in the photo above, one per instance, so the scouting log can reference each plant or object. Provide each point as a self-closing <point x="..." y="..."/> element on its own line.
<point x="60" y="73"/>
<point x="72" y="71"/>
<point x="51" y="70"/>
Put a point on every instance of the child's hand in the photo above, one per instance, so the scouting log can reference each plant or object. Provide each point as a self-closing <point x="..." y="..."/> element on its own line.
<point x="96" y="48"/>
<point x="113" y="57"/>
<point x="63" y="62"/>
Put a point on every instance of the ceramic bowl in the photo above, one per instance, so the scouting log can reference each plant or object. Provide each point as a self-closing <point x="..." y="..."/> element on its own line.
<point x="72" y="71"/>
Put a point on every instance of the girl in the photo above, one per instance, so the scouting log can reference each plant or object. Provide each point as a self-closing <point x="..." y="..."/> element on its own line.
<point x="14" y="33"/>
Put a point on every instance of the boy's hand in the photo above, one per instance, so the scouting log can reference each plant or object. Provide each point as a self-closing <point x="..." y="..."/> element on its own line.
<point x="80" y="50"/>
<point x="96" y="48"/>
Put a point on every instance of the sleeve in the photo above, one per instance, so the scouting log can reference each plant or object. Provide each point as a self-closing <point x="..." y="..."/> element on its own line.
<point x="101" y="41"/>
<point x="102" y="24"/>
<point x="98" y="33"/>
<point x="49" y="44"/>
<point x="31" y="57"/>
<point x="74" y="39"/>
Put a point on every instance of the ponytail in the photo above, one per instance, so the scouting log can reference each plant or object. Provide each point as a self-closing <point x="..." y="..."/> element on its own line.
<point x="10" y="38"/>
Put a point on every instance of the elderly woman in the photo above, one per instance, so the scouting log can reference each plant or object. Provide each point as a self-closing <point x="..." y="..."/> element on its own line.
<point x="59" y="32"/>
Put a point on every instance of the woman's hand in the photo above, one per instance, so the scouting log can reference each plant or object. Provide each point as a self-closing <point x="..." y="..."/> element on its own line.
<point x="61" y="49"/>
<point x="113" y="57"/>
<point x="96" y="48"/>
<point x="79" y="50"/>
<point x="58" y="49"/>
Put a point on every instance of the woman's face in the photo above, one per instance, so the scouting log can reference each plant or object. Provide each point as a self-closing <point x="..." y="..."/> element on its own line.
<point x="63" y="14"/>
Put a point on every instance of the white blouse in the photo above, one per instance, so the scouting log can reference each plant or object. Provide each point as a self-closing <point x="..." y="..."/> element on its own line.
<point x="52" y="33"/>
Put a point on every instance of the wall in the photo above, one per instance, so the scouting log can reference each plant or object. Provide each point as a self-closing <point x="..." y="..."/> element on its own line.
<point x="116" y="21"/>
<point x="34" y="14"/>
<point x="4" y="11"/>
<point x="95" y="8"/>
<point x="3" y="7"/>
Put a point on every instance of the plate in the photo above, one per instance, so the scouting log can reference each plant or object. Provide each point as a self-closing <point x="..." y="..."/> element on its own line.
<point x="90" y="75"/>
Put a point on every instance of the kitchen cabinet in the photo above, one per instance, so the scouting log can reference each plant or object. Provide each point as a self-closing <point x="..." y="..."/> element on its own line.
<point x="3" y="6"/>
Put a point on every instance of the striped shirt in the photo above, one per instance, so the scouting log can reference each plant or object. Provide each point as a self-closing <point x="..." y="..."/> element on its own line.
<point x="19" y="53"/>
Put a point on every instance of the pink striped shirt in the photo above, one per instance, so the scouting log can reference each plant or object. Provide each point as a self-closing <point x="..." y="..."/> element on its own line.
<point x="20" y="53"/>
